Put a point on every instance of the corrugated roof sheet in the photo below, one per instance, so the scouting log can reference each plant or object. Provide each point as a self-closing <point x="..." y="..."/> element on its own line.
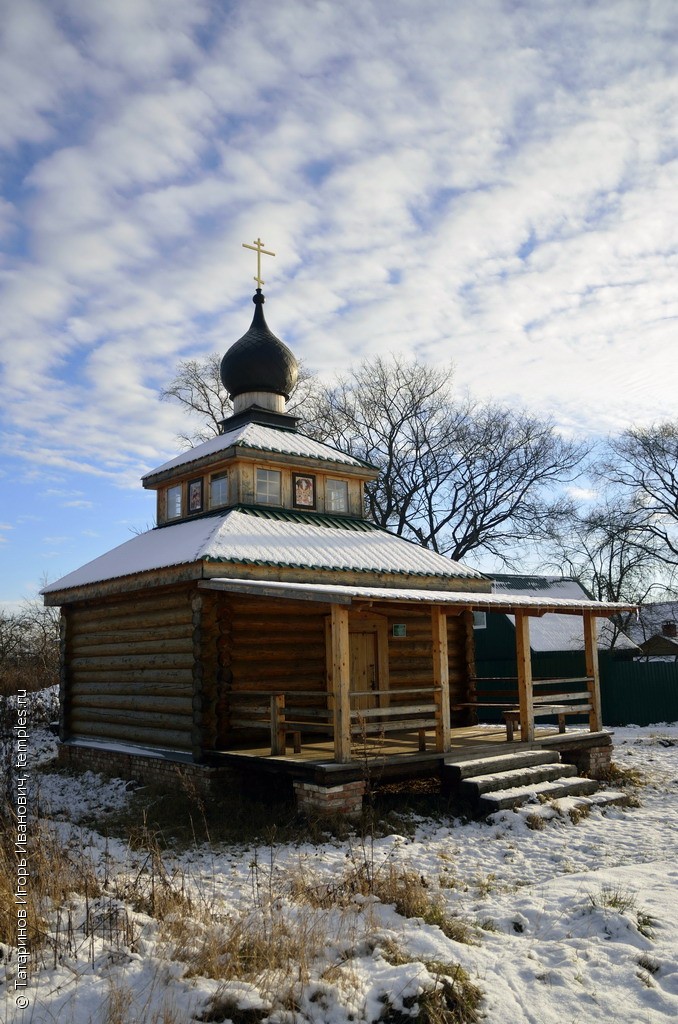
<point x="554" y="632"/>
<point x="264" y="439"/>
<point x="268" y="537"/>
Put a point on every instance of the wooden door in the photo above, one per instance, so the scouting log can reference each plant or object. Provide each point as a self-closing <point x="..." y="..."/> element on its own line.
<point x="364" y="669"/>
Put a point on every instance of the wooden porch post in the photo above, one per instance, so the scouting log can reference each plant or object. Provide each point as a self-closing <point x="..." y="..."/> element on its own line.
<point x="441" y="679"/>
<point x="524" y="665"/>
<point x="592" y="671"/>
<point x="341" y="683"/>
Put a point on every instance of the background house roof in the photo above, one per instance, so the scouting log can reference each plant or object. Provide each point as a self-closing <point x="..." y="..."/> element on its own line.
<point x="264" y="439"/>
<point x="276" y="537"/>
<point x="652" y="618"/>
<point x="554" y="632"/>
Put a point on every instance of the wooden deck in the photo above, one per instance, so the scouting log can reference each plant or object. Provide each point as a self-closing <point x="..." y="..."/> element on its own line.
<point x="393" y="756"/>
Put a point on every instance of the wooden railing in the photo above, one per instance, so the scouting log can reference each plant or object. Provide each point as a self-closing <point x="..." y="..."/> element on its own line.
<point x="275" y="713"/>
<point x="559" y="704"/>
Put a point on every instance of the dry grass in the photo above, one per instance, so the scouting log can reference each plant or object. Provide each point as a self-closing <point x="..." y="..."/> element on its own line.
<point x="57" y="874"/>
<point x="616" y="774"/>
<point x="411" y="895"/>
<point x="535" y="821"/>
<point x="407" y="891"/>
<point x="624" y="901"/>
<point x="452" y="998"/>
<point x="579" y="813"/>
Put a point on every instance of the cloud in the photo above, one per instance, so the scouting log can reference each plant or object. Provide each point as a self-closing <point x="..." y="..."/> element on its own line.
<point x="483" y="184"/>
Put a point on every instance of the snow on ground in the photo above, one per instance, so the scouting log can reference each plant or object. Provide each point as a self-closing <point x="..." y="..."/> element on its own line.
<point x="572" y="922"/>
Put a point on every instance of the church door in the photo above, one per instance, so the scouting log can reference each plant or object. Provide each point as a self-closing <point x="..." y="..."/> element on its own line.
<point x="364" y="668"/>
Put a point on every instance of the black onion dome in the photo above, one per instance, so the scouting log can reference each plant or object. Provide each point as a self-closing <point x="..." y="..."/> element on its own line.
<point x="259" y="361"/>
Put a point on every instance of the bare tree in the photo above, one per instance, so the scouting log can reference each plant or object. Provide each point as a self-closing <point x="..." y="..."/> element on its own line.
<point x="198" y="388"/>
<point x="456" y="476"/>
<point x="644" y="465"/>
<point x="29" y="647"/>
<point x="605" y="549"/>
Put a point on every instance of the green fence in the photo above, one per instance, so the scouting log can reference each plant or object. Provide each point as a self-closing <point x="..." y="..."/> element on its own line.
<point x="632" y="692"/>
<point x="639" y="692"/>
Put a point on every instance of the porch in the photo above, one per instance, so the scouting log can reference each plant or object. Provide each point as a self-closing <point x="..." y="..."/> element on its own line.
<point x="396" y="757"/>
<point x="356" y="716"/>
<point x="481" y="772"/>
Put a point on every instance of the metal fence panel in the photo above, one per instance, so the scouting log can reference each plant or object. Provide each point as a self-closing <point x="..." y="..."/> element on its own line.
<point x="639" y="692"/>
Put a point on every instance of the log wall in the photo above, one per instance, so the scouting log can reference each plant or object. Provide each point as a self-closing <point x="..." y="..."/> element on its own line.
<point x="128" y="672"/>
<point x="170" y="669"/>
<point x="269" y="647"/>
<point x="410" y="657"/>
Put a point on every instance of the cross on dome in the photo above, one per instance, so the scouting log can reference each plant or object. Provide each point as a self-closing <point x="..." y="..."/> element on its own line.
<point x="258" y="247"/>
<point x="259" y="370"/>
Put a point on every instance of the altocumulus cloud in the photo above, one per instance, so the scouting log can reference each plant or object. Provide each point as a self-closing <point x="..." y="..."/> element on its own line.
<point x="489" y="183"/>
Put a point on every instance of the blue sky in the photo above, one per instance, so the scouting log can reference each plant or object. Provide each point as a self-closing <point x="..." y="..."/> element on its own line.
<point x="487" y="182"/>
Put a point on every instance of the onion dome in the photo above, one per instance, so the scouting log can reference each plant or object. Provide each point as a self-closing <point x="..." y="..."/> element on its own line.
<point x="259" y="362"/>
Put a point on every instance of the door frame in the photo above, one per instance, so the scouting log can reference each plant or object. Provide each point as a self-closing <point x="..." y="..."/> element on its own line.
<point x="363" y="622"/>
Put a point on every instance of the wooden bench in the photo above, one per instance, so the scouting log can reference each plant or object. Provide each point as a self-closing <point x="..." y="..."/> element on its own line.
<point x="542" y="710"/>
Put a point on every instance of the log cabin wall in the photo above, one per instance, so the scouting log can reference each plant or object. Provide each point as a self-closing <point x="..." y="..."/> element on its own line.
<point x="410" y="657"/>
<point x="269" y="647"/>
<point x="130" y="670"/>
<point x="169" y="669"/>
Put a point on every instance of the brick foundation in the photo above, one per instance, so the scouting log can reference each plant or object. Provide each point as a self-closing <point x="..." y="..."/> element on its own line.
<point x="147" y="769"/>
<point x="346" y="799"/>
<point x="592" y="762"/>
<point x="591" y="754"/>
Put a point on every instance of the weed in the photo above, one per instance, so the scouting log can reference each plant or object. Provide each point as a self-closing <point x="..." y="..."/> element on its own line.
<point x="648" y="964"/>
<point x="410" y="894"/>
<point x="57" y="873"/>
<point x="616" y="774"/>
<point x="488" y="924"/>
<point x="579" y="812"/>
<point x="453" y="999"/>
<point x="447" y="881"/>
<point x="613" y="897"/>
<point x="629" y="802"/>
<point x="624" y="902"/>
<point x="394" y="954"/>
<point x="485" y="884"/>
<point x="646" y="924"/>
<point x="223" y="1007"/>
<point x="118" y="1004"/>
<point x="535" y="821"/>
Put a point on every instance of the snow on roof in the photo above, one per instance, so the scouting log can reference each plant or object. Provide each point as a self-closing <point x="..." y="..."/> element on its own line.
<point x="265" y="439"/>
<point x="554" y="632"/>
<point x="263" y="537"/>
<point x="345" y="593"/>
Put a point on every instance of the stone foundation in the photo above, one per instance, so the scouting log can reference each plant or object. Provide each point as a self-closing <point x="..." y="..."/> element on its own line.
<point x="346" y="799"/>
<point x="148" y="769"/>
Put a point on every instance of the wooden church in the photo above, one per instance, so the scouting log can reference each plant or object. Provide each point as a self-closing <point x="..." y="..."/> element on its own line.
<point x="266" y="624"/>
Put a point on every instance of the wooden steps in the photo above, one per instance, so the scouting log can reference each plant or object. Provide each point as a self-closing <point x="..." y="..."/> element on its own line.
<point x="497" y="783"/>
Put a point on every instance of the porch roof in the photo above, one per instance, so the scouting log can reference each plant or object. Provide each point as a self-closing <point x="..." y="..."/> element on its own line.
<point x="343" y="594"/>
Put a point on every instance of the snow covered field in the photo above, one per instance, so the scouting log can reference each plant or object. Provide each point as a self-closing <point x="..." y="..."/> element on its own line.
<point x="571" y="922"/>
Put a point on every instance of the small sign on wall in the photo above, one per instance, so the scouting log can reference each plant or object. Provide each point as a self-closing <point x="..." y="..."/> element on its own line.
<point x="399" y="629"/>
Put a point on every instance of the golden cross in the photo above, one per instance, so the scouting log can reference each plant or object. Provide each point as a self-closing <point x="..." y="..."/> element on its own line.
<point x="259" y="249"/>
